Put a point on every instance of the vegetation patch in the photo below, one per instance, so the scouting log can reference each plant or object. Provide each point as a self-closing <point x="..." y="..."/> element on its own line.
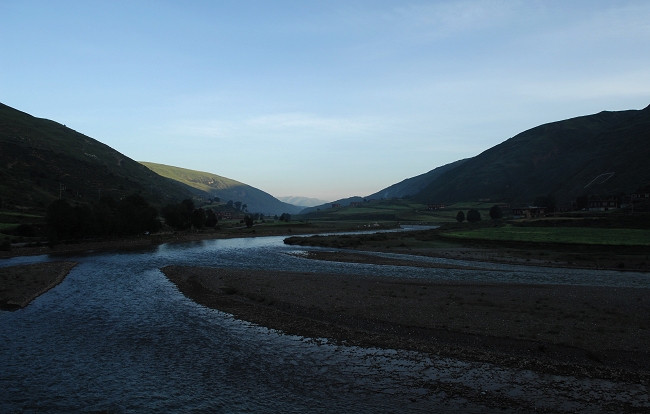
<point x="571" y="235"/>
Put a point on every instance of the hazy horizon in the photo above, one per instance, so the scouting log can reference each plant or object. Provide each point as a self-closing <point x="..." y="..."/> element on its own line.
<point x="319" y="100"/>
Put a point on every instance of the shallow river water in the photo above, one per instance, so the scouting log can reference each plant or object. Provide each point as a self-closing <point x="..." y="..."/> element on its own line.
<point x="117" y="336"/>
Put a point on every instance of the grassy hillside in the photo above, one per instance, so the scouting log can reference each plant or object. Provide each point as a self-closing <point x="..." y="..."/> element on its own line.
<point x="559" y="158"/>
<point x="39" y="157"/>
<point x="224" y="188"/>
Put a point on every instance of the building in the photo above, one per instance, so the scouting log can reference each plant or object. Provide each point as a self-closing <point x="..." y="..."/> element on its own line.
<point x="528" y="212"/>
<point x="435" y="206"/>
<point x="603" y="205"/>
<point x="355" y="204"/>
<point x="336" y="205"/>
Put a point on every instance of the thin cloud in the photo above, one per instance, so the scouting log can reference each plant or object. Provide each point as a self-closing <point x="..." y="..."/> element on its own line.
<point x="323" y="125"/>
<point x="442" y="19"/>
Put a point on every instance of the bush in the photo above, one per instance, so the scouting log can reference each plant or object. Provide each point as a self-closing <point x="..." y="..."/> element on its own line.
<point x="5" y="246"/>
<point x="473" y="216"/>
<point x="460" y="217"/>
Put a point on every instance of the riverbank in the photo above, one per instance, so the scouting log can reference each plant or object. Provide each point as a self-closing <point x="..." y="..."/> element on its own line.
<point x="176" y="237"/>
<point x="19" y="285"/>
<point x="595" y="332"/>
<point x="433" y="243"/>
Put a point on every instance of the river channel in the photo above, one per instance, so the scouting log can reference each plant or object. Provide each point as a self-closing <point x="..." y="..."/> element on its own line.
<point x="117" y="336"/>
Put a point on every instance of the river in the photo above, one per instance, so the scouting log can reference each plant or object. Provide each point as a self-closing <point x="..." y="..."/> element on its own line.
<point x="117" y="336"/>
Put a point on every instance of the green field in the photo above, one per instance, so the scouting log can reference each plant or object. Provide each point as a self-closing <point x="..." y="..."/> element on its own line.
<point x="572" y="235"/>
<point x="8" y="226"/>
<point x="396" y="210"/>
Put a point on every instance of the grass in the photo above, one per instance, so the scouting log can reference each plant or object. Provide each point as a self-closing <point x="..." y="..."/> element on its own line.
<point x="8" y="226"/>
<point x="570" y="235"/>
<point x="14" y="214"/>
<point x="397" y="210"/>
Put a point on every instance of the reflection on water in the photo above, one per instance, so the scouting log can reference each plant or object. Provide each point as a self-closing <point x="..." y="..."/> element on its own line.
<point x="117" y="335"/>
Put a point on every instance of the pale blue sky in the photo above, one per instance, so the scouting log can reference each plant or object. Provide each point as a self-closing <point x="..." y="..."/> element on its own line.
<point x="319" y="99"/>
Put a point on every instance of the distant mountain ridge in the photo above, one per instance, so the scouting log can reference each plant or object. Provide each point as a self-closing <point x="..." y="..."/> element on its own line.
<point x="210" y="185"/>
<point x="302" y="201"/>
<point x="558" y="158"/>
<point x="404" y="188"/>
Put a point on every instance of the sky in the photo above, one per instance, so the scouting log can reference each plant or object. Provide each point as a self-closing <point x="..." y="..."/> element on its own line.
<point x="325" y="99"/>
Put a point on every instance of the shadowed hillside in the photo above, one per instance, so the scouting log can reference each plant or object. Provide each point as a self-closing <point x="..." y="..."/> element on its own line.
<point x="559" y="158"/>
<point x="414" y="185"/>
<point x="405" y="188"/>
<point x="42" y="159"/>
<point x="212" y="185"/>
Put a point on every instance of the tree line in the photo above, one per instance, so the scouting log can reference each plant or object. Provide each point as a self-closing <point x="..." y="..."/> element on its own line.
<point x="109" y="217"/>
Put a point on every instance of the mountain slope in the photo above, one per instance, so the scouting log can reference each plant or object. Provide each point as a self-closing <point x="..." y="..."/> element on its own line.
<point x="42" y="159"/>
<point x="558" y="158"/>
<point x="407" y="187"/>
<point x="414" y="185"/>
<point x="344" y="202"/>
<point x="226" y="189"/>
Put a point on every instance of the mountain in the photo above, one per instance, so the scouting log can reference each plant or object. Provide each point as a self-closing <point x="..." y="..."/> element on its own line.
<point x="407" y="187"/>
<point x="42" y="160"/>
<point x="560" y="158"/>
<point x="344" y="202"/>
<point x="211" y="185"/>
<point x="302" y="201"/>
<point x="414" y="185"/>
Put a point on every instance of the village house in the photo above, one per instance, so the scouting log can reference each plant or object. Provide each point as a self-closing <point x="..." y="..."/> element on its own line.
<point x="355" y="204"/>
<point x="528" y="212"/>
<point x="435" y="206"/>
<point x="336" y="205"/>
<point x="603" y="205"/>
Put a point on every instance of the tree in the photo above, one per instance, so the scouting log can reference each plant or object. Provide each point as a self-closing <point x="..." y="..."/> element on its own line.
<point x="460" y="217"/>
<point x="473" y="216"/>
<point x="179" y="216"/>
<point x="248" y="220"/>
<point x="62" y="219"/>
<point x="244" y="207"/>
<point x="237" y="205"/>
<point x="285" y="217"/>
<point x="198" y="218"/>
<point x="136" y="216"/>
<point x="210" y="218"/>
<point x="495" y="212"/>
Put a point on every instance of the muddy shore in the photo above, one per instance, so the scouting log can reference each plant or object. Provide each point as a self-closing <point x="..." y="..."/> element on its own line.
<point x="19" y="285"/>
<point x="598" y="332"/>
